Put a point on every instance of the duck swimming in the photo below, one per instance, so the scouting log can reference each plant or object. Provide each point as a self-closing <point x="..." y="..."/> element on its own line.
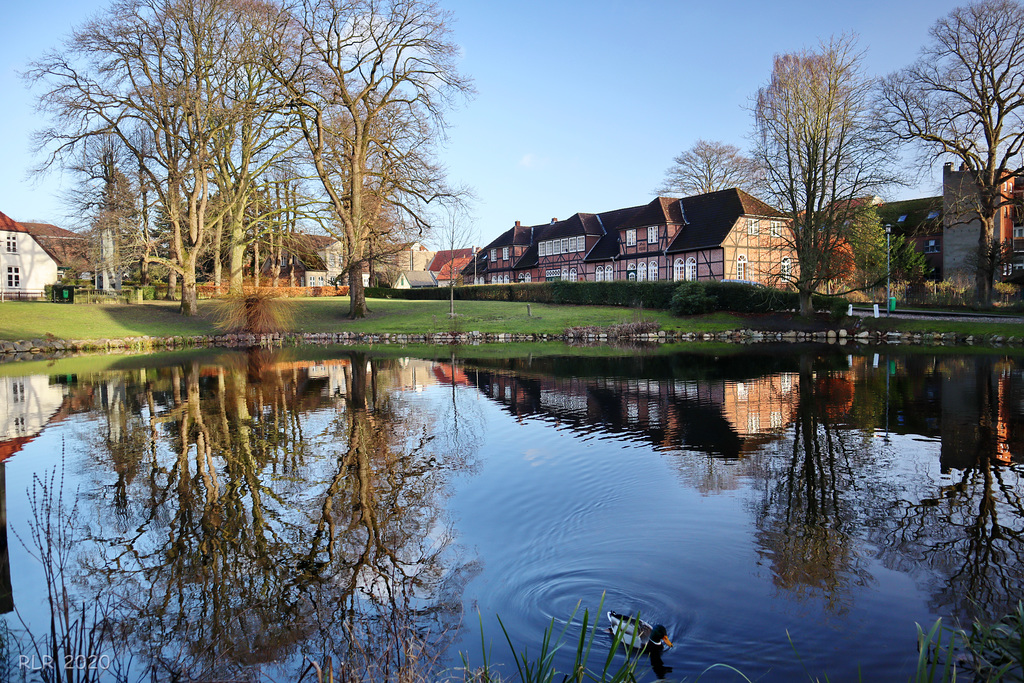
<point x="635" y="632"/>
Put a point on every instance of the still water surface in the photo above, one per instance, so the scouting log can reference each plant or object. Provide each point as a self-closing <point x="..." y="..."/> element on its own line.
<point x="233" y="516"/>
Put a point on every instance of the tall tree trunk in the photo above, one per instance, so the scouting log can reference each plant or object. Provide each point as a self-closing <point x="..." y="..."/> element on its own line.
<point x="218" y="257"/>
<point x="172" y="285"/>
<point x="988" y="261"/>
<point x="356" y="293"/>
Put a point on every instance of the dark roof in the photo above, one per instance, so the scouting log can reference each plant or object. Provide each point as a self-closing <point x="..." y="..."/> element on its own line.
<point x="709" y="217"/>
<point x="481" y="264"/>
<point x="577" y="224"/>
<point x="920" y="216"/>
<point x="516" y="235"/>
<point x="530" y="257"/>
<point x="608" y="246"/>
<point x="660" y="211"/>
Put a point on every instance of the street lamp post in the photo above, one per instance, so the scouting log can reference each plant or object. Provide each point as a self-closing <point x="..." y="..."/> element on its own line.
<point x="888" y="270"/>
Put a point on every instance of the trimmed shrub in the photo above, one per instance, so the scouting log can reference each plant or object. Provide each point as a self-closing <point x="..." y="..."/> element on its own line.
<point x="743" y="298"/>
<point x="692" y="298"/>
<point x="835" y="305"/>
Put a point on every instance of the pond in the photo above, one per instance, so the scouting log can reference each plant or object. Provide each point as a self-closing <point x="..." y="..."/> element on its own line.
<point x="234" y="516"/>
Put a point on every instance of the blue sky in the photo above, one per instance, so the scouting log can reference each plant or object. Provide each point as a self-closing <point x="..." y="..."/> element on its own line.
<point x="580" y="106"/>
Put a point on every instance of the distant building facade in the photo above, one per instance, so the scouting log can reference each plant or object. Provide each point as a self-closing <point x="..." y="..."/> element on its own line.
<point x="719" y="235"/>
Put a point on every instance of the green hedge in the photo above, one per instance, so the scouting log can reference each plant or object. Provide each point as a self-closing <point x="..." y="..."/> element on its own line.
<point x="615" y="293"/>
<point x="706" y="297"/>
<point x="713" y="295"/>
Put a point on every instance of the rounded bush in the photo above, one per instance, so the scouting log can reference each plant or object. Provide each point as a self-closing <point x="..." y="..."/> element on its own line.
<point x="692" y="298"/>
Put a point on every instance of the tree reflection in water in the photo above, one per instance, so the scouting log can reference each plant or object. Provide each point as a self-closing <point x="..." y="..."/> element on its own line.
<point x="812" y="501"/>
<point x="248" y="539"/>
<point x="965" y="535"/>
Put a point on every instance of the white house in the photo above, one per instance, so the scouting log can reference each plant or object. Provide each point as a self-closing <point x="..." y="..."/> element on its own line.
<point x="32" y="256"/>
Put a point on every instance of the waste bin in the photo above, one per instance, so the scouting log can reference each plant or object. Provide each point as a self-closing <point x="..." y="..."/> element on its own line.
<point x="64" y="294"/>
<point x="892" y="304"/>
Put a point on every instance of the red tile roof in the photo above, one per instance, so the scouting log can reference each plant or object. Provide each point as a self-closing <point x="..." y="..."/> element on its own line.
<point x="64" y="247"/>
<point x="451" y="270"/>
<point x="441" y="258"/>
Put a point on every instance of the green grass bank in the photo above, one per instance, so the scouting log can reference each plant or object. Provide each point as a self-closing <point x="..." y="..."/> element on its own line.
<point x="43" y="320"/>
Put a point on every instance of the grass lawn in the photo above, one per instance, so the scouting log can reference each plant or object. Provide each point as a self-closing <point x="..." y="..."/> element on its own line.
<point x="34" y="320"/>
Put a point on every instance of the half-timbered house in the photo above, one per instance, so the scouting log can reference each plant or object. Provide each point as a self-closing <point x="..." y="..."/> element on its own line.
<point x="720" y="235"/>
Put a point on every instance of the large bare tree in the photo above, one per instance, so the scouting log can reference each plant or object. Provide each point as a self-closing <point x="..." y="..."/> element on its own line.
<point x="709" y="166"/>
<point x="822" y="158"/>
<point x="964" y="98"/>
<point x="370" y="83"/>
<point x="166" y="72"/>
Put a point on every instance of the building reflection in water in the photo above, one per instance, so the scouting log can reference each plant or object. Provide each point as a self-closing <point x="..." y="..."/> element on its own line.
<point x="265" y="507"/>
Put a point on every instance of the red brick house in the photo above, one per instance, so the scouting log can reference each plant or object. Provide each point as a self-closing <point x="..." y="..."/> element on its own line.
<point x="719" y="235"/>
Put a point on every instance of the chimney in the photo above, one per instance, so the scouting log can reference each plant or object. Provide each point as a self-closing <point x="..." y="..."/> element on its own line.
<point x="517" y="224"/>
<point x="948" y="166"/>
<point x="554" y="220"/>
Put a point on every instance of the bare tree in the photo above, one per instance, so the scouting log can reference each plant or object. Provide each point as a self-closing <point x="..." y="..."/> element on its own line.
<point x="821" y="157"/>
<point x="457" y="232"/>
<point x="370" y="82"/>
<point x="964" y="98"/>
<point x="162" y="71"/>
<point x="709" y="166"/>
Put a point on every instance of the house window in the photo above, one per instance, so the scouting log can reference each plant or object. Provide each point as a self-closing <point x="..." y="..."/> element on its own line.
<point x="565" y="245"/>
<point x="528" y="277"/>
<point x="522" y="277"/>
<point x="565" y="273"/>
<point x="741" y="267"/>
<point x="553" y="274"/>
<point x="677" y="270"/>
<point x="775" y="228"/>
<point x="786" y="267"/>
<point x="599" y="274"/>
<point x="12" y="243"/>
<point x="1018" y="231"/>
<point x="320" y="280"/>
<point x="641" y="272"/>
<point x="13" y="277"/>
<point x="504" y="253"/>
<point x="691" y="268"/>
<point x="652" y="234"/>
<point x="932" y="246"/>
<point x="572" y="275"/>
<point x="581" y="243"/>
<point x="18" y="387"/>
<point x="652" y="270"/>
<point x="631" y="238"/>
<point x="753" y="226"/>
<point x="494" y="255"/>
<point x="542" y="249"/>
<point x="608" y="277"/>
<point x="631" y="272"/>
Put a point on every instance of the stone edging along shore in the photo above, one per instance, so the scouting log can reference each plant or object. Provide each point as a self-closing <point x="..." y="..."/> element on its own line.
<point x="36" y="348"/>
